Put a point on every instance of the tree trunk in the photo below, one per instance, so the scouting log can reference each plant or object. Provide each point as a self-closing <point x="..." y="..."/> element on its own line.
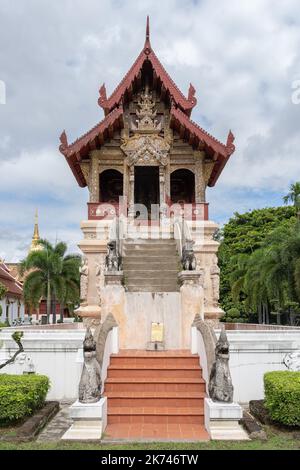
<point x="54" y="310"/>
<point x="267" y="314"/>
<point x="48" y="300"/>
<point x="62" y="308"/>
<point x="259" y="314"/>
<point x="278" y="318"/>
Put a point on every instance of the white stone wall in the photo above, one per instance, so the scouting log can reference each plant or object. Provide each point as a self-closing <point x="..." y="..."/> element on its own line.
<point x="58" y="354"/>
<point x="252" y="353"/>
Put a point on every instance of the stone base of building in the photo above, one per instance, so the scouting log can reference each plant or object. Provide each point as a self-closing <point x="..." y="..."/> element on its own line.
<point x="90" y="420"/>
<point x="222" y="421"/>
<point x="196" y="291"/>
<point x="175" y="310"/>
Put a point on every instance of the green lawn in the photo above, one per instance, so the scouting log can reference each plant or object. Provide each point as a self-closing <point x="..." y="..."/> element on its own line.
<point x="277" y="440"/>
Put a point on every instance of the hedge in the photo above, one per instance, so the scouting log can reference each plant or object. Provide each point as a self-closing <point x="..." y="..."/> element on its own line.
<point x="21" y="395"/>
<point x="282" y="396"/>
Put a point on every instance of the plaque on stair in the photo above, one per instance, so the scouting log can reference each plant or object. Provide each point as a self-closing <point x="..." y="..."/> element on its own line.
<point x="157" y="337"/>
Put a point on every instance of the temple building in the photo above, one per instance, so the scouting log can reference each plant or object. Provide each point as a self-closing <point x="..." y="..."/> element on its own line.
<point x="12" y="304"/>
<point x="149" y="252"/>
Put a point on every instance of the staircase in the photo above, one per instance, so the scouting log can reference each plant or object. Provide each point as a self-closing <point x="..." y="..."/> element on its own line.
<point x="155" y="395"/>
<point x="150" y="266"/>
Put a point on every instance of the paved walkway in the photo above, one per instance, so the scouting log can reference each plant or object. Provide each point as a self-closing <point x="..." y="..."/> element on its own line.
<point x="57" y="426"/>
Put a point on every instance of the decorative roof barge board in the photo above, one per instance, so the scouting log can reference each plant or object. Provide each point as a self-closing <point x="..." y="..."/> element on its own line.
<point x="180" y="108"/>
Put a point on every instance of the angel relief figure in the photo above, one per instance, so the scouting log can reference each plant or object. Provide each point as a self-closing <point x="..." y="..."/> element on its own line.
<point x="84" y="271"/>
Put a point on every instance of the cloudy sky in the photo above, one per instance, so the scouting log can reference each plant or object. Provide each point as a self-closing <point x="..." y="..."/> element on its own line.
<point x="243" y="57"/>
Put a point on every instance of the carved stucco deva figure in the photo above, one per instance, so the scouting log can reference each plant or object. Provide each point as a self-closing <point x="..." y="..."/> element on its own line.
<point x="215" y="280"/>
<point x="90" y="382"/>
<point x="84" y="271"/>
<point x="220" y="384"/>
<point x="99" y="272"/>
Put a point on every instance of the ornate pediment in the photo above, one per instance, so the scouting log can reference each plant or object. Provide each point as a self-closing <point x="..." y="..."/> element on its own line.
<point x="146" y="147"/>
<point x="146" y="150"/>
<point x="146" y="121"/>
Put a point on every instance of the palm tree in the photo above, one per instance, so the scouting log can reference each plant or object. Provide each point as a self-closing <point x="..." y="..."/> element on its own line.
<point x="291" y="253"/>
<point x="48" y="270"/>
<point x="294" y="197"/>
<point x="255" y="287"/>
<point x="69" y="289"/>
<point x="238" y="273"/>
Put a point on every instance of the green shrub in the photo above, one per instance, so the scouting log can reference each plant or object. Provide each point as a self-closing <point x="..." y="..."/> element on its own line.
<point x="233" y="313"/>
<point x="282" y="396"/>
<point x="21" y="395"/>
<point x="3" y="325"/>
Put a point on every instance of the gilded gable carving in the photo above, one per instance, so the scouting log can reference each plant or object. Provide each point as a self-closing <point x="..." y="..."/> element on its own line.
<point x="146" y="146"/>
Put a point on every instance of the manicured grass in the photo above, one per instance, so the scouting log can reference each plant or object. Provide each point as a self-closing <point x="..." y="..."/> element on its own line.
<point x="277" y="440"/>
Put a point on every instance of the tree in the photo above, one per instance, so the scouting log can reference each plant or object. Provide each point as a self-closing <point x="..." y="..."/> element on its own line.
<point x="16" y="336"/>
<point x="269" y="275"/>
<point x="294" y="197"/>
<point x="250" y="284"/>
<point x="69" y="289"/>
<point x="49" y="272"/>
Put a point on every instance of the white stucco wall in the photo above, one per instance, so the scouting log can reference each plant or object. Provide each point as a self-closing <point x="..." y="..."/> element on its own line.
<point x="252" y="353"/>
<point x="58" y="354"/>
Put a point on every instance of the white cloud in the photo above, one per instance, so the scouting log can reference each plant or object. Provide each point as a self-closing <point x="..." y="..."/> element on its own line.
<point x="44" y="170"/>
<point x="180" y="53"/>
<point x="242" y="57"/>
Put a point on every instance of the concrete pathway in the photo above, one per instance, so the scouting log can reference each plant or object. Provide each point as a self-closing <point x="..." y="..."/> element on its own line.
<point x="57" y="426"/>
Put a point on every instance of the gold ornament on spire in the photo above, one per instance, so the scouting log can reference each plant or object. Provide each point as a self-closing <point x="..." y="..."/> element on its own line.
<point x="35" y="246"/>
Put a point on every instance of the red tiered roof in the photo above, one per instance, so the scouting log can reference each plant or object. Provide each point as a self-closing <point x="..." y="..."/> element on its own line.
<point x="180" y="119"/>
<point x="87" y="142"/>
<point x="197" y="136"/>
<point x="13" y="286"/>
<point x="147" y="54"/>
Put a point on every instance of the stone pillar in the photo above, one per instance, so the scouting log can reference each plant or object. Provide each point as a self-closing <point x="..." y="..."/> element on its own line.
<point x="113" y="302"/>
<point x="168" y="182"/>
<point x="162" y="196"/>
<point x="131" y="192"/>
<point x="200" y="184"/>
<point x="94" y="177"/>
<point x="94" y="248"/>
<point x="168" y="136"/>
<point x="125" y="181"/>
<point x="205" y="250"/>
<point x="192" y="301"/>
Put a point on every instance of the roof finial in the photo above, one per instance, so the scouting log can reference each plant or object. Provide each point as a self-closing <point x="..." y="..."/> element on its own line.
<point x="36" y="236"/>
<point x="147" y="41"/>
